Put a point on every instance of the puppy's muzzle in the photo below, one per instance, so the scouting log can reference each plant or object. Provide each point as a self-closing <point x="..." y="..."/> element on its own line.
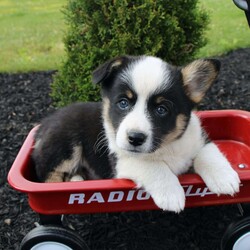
<point x="136" y="138"/>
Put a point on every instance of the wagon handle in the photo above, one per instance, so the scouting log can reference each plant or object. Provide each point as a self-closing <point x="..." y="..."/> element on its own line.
<point x="244" y="5"/>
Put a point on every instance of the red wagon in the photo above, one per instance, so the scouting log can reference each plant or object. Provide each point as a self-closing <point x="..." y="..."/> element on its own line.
<point x="229" y="129"/>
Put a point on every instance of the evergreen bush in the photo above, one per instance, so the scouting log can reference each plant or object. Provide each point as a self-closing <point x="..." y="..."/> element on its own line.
<point x="102" y="29"/>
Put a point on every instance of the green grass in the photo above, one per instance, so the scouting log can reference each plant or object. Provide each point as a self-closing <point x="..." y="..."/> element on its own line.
<point x="31" y="35"/>
<point x="32" y="31"/>
<point x="228" y="29"/>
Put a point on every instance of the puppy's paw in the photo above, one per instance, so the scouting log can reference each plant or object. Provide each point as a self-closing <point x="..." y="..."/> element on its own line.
<point x="76" y="178"/>
<point x="224" y="181"/>
<point x="216" y="171"/>
<point x="170" y="199"/>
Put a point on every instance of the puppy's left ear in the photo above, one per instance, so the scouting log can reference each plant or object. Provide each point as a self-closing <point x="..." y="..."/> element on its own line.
<point x="198" y="76"/>
<point x="104" y="71"/>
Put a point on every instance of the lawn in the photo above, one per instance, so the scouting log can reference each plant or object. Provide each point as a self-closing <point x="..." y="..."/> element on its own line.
<point x="228" y="29"/>
<point x="32" y="33"/>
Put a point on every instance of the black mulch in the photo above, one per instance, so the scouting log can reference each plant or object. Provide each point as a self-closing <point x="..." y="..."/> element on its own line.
<point x="24" y="100"/>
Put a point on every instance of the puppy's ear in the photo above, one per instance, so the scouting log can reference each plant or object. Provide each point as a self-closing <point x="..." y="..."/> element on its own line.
<point x="103" y="71"/>
<point x="198" y="76"/>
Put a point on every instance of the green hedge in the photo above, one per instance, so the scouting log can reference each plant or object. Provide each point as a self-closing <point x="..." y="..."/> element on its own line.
<point x="102" y="29"/>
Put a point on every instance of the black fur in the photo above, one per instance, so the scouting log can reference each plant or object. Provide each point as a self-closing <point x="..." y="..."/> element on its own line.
<point x="81" y="124"/>
<point x="114" y="89"/>
<point x="77" y="124"/>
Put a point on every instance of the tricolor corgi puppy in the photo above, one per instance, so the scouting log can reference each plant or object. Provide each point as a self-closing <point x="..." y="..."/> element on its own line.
<point x="144" y="130"/>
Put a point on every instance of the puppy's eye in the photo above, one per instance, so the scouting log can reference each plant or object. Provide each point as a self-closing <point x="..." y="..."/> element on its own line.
<point x="161" y="110"/>
<point x="123" y="104"/>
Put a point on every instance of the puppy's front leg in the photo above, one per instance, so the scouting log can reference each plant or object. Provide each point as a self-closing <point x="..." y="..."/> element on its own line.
<point x="216" y="171"/>
<point x="157" y="179"/>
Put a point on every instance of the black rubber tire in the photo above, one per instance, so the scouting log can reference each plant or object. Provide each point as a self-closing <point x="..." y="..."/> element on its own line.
<point x="55" y="234"/>
<point x="234" y="232"/>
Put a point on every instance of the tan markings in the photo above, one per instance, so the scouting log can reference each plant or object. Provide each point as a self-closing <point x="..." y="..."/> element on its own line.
<point x="110" y="132"/>
<point x="129" y="94"/>
<point x="67" y="166"/>
<point x="160" y="99"/>
<point x="198" y="76"/>
<point x="181" y="122"/>
<point x="106" y="118"/>
<point x="105" y="110"/>
<point x="55" y="176"/>
<point x="116" y="63"/>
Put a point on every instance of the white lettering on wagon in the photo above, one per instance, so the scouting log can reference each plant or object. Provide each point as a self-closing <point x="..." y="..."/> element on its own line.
<point x="78" y="198"/>
<point x="114" y="196"/>
<point x="191" y="191"/>
<point x="118" y="196"/>
<point x="96" y="197"/>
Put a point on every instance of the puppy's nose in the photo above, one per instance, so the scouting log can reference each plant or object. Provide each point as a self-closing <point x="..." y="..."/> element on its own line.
<point x="136" y="138"/>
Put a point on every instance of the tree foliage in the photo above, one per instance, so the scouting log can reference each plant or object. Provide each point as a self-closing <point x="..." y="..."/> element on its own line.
<point x="102" y="29"/>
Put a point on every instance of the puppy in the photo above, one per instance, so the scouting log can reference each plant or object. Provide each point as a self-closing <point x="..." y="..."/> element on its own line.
<point x="144" y="130"/>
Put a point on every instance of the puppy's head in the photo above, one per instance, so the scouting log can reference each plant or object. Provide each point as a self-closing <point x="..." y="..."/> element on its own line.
<point x="148" y="101"/>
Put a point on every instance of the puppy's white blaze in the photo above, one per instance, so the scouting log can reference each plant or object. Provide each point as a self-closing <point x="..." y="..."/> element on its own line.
<point x="136" y="120"/>
<point x="147" y="75"/>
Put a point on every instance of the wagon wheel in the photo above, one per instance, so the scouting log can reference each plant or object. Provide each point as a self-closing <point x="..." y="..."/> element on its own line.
<point x="237" y="236"/>
<point x="52" y="238"/>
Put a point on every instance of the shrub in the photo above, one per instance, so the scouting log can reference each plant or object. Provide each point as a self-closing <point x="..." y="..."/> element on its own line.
<point x="102" y="29"/>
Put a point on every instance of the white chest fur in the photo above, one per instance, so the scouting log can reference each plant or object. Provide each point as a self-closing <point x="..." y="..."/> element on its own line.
<point x="157" y="172"/>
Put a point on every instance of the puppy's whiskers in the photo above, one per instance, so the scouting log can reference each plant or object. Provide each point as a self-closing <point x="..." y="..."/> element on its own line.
<point x="160" y="144"/>
<point x="101" y="142"/>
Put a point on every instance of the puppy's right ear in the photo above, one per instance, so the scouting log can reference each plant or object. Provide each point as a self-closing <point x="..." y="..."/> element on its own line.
<point x="104" y="71"/>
